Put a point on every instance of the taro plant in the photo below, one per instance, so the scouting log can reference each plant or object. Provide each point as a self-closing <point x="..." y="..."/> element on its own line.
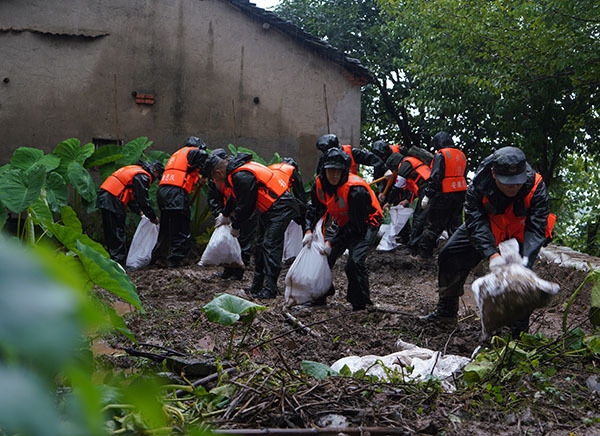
<point x="229" y="310"/>
<point x="37" y="188"/>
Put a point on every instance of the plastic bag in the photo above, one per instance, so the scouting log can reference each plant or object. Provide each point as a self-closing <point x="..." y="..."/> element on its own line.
<point x="309" y="277"/>
<point x="425" y="362"/>
<point x="292" y="241"/>
<point x="142" y="244"/>
<point x="510" y="292"/>
<point x="399" y="216"/>
<point x="222" y="249"/>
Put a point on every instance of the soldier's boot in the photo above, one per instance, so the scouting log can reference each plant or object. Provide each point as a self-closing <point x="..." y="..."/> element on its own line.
<point x="446" y="310"/>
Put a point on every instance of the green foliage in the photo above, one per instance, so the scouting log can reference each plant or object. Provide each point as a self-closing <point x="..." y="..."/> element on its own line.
<point x="318" y="370"/>
<point x="518" y="73"/>
<point x="578" y="203"/>
<point x="227" y="309"/>
<point x="21" y="187"/>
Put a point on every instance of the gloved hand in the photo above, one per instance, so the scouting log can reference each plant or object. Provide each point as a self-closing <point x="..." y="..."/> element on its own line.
<point x="424" y="202"/>
<point x="326" y="251"/>
<point x="307" y="240"/>
<point x="496" y="261"/>
<point x="222" y="220"/>
<point x="388" y="174"/>
<point x="235" y="232"/>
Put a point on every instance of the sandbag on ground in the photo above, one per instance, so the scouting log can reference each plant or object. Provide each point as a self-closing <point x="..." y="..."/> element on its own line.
<point x="425" y="363"/>
<point x="510" y="292"/>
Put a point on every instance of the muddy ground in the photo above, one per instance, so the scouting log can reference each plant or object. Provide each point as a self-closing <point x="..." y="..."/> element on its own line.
<point x="402" y="288"/>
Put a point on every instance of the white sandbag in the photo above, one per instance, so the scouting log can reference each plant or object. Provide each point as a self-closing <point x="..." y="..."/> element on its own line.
<point x="222" y="249"/>
<point x="142" y="244"/>
<point x="292" y="241"/>
<point x="309" y="277"/>
<point x="510" y="292"/>
<point x="425" y="363"/>
<point x="399" y="216"/>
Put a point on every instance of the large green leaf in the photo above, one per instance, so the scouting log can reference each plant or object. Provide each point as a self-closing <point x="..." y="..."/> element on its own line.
<point x="318" y="370"/>
<point x="104" y="155"/>
<point x="25" y="157"/>
<point x="22" y="392"/>
<point x="475" y="372"/>
<point x="70" y="219"/>
<point x="70" y="150"/>
<point x="41" y="212"/>
<point x="82" y="181"/>
<point x="133" y="151"/>
<point x="57" y="192"/>
<point x="69" y="236"/>
<point x="108" y="274"/>
<point x="226" y="309"/>
<point x="21" y="188"/>
<point x="38" y="318"/>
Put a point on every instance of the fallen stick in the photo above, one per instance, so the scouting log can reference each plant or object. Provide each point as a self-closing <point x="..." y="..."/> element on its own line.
<point x="296" y="323"/>
<point x="298" y="328"/>
<point x="203" y="380"/>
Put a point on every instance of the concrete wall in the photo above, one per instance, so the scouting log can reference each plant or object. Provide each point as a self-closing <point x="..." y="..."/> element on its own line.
<point x="205" y="62"/>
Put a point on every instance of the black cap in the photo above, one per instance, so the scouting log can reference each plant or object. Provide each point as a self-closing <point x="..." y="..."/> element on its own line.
<point x="290" y="161"/>
<point x="441" y="140"/>
<point x="510" y="166"/>
<point x="210" y="163"/>
<point x="393" y="162"/>
<point x="194" y="141"/>
<point x="336" y="158"/>
<point x="381" y="149"/>
<point x="328" y="141"/>
<point x="220" y="152"/>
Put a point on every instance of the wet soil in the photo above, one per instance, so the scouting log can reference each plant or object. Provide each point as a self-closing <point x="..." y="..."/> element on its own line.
<point x="402" y="289"/>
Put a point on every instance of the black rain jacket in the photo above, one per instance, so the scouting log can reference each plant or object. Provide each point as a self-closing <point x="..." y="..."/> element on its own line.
<point x="476" y="215"/>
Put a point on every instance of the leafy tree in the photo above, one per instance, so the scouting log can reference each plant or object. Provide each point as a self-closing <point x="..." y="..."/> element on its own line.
<point x="579" y="225"/>
<point x="360" y="29"/>
<point x="507" y="72"/>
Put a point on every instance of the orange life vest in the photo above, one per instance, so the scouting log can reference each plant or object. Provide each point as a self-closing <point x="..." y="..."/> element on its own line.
<point x="271" y="185"/>
<point x="419" y="172"/>
<point x="285" y="170"/>
<point x="455" y="164"/>
<point x="337" y="204"/>
<point x="224" y="189"/>
<point x="176" y="171"/>
<point x="508" y="225"/>
<point x="395" y="148"/>
<point x="353" y="166"/>
<point x="119" y="182"/>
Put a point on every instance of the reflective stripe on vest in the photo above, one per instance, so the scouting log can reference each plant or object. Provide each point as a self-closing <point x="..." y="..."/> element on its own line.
<point x="353" y="166"/>
<point x="419" y="171"/>
<point x="176" y="171"/>
<point x="119" y="182"/>
<point x="455" y="164"/>
<point x="507" y="225"/>
<point x="285" y="171"/>
<point x="271" y="184"/>
<point x="337" y="204"/>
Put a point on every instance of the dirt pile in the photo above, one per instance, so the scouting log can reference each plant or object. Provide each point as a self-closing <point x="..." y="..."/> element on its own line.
<point x="402" y="288"/>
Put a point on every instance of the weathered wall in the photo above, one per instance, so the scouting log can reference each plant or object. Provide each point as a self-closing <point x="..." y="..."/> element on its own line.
<point x="69" y="69"/>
